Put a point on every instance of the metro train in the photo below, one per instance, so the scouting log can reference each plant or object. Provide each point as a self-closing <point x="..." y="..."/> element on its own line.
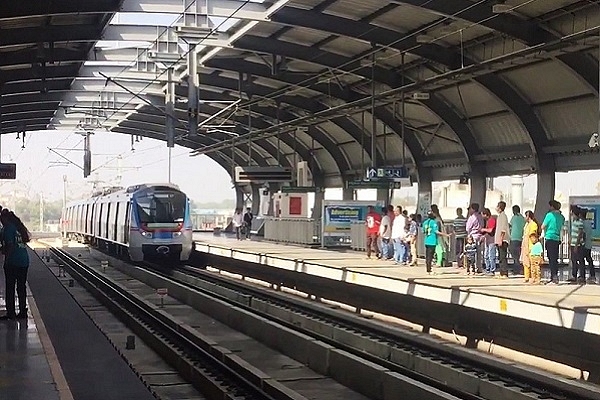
<point x="147" y="222"/>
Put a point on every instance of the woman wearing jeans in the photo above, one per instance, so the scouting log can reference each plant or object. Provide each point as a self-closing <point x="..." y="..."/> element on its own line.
<point x="16" y="263"/>
<point x="489" y="245"/>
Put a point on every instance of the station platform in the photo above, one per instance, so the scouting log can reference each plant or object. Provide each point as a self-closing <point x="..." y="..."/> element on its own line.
<point x="58" y="353"/>
<point x="564" y="305"/>
<point x="501" y="309"/>
<point x="28" y="366"/>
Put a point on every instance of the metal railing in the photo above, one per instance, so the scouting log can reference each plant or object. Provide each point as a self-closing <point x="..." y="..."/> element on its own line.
<point x="292" y="230"/>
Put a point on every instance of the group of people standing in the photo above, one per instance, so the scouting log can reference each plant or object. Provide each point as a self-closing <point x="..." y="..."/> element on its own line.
<point x="14" y="237"/>
<point x="392" y="235"/>
<point x="484" y="240"/>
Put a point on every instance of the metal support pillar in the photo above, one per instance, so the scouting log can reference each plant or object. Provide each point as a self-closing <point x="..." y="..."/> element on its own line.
<point x="193" y="85"/>
<point x="348" y="194"/>
<point x="479" y="185"/>
<point x="273" y="188"/>
<point x="383" y="195"/>
<point x="425" y="192"/>
<point x="317" y="210"/>
<point x="170" y="109"/>
<point x="239" y="198"/>
<point x="255" y="199"/>
<point x="546" y="186"/>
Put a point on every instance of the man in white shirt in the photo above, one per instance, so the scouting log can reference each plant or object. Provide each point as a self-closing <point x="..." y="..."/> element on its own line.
<point x="237" y="222"/>
<point x="385" y="233"/>
<point x="399" y="236"/>
<point x="502" y="238"/>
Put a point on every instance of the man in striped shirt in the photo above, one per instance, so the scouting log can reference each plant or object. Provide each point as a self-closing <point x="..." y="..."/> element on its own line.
<point x="460" y="234"/>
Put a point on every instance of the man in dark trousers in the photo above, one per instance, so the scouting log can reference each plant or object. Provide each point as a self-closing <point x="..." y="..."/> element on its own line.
<point x="248" y="222"/>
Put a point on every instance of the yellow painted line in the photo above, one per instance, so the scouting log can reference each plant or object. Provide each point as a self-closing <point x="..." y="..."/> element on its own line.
<point x="64" y="392"/>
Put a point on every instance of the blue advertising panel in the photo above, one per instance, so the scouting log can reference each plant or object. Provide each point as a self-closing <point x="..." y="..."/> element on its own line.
<point x="591" y="205"/>
<point x="338" y="217"/>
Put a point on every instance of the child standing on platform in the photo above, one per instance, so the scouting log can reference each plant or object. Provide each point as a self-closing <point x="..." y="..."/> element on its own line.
<point x="536" y="257"/>
<point x="469" y="255"/>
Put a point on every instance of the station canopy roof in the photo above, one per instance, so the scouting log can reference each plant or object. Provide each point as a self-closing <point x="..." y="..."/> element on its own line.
<point x="501" y="86"/>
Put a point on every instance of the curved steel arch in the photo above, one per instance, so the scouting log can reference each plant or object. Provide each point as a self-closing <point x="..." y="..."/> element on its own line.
<point x="298" y="102"/>
<point x="217" y="156"/>
<point x="303" y="151"/>
<point x="446" y="56"/>
<point x="360" y="30"/>
<point x="529" y="32"/>
<point x="156" y="118"/>
<point x="158" y="128"/>
<point x="333" y="61"/>
<point x="345" y="95"/>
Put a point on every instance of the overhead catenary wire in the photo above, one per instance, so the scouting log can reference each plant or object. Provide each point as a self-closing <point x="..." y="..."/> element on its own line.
<point x="174" y="63"/>
<point x="283" y="90"/>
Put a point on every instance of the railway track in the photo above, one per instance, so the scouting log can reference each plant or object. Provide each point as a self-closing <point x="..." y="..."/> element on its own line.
<point x="421" y="366"/>
<point x="215" y="375"/>
<point x="408" y="354"/>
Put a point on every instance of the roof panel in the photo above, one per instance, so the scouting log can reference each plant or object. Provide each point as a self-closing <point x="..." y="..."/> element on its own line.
<point x="537" y="8"/>
<point x="501" y="130"/>
<point x="444" y="143"/>
<point x="355" y="154"/>
<point x="304" y="4"/>
<point x="576" y="21"/>
<point x="566" y="120"/>
<point x="304" y="36"/>
<point x="404" y="18"/>
<point x="354" y="9"/>
<point x="471" y="99"/>
<point x="346" y="46"/>
<point x="265" y="29"/>
<point x="558" y="82"/>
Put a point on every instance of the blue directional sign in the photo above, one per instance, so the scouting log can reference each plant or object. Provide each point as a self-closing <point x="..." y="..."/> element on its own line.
<point x="387" y="174"/>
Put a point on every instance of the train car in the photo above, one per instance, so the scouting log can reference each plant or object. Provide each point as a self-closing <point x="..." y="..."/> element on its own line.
<point x="147" y="222"/>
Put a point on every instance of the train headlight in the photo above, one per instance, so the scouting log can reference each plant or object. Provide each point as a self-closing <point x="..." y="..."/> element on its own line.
<point x="147" y="234"/>
<point x="176" y="234"/>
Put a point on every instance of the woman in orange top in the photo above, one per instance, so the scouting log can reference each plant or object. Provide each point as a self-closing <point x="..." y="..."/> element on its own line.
<point x="531" y="226"/>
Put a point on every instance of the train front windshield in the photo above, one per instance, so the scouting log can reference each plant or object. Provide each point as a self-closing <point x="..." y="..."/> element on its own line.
<point x="161" y="209"/>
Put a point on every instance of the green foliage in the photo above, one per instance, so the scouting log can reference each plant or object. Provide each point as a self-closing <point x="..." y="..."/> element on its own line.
<point x="28" y="209"/>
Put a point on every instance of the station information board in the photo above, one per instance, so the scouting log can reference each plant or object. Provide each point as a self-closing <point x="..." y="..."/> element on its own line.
<point x="8" y="171"/>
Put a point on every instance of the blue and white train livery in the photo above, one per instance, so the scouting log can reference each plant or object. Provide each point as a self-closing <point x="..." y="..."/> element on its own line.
<point x="146" y="222"/>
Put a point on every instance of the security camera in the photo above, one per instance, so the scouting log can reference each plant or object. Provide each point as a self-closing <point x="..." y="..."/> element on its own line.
<point x="593" y="141"/>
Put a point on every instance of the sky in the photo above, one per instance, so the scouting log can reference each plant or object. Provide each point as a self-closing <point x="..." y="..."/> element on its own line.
<point x="40" y="170"/>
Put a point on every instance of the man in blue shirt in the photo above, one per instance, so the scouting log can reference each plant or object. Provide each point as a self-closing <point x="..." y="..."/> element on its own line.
<point x="552" y="228"/>
<point x="430" y="234"/>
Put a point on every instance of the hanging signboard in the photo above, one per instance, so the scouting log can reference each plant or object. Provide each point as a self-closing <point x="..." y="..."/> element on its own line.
<point x="591" y="206"/>
<point x="8" y="171"/>
<point x="337" y="219"/>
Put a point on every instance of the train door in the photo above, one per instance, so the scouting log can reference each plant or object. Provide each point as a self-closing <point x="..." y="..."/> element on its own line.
<point x="107" y="221"/>
<point x="115" y="222"/>
<point x="100" y="220"/>
<point x="127" y="222"/>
